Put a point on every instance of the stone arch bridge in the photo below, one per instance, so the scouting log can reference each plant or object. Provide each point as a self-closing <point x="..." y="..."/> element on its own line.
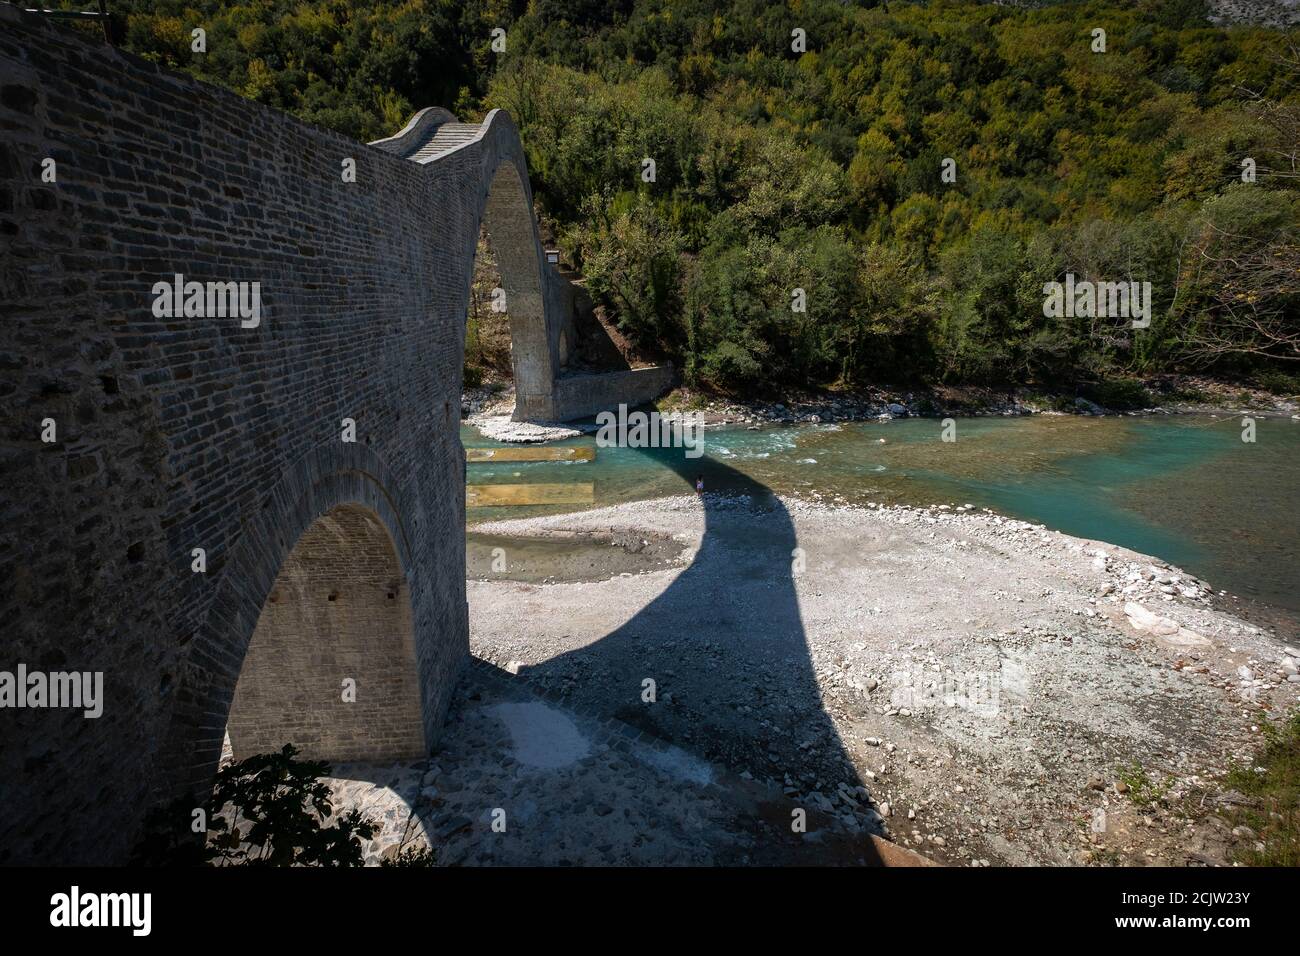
<point x="182" y="511"/>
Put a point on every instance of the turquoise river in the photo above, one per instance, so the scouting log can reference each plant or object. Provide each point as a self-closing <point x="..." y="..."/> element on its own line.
<point x="1186" y="489"/>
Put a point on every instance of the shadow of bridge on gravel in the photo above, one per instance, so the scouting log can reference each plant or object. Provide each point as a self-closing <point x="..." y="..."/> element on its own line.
<point x="726" y="647"/>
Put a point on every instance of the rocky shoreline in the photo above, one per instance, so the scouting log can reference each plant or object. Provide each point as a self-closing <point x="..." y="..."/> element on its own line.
<point x="488" y="408"/>
<point x="1171" y="396"/>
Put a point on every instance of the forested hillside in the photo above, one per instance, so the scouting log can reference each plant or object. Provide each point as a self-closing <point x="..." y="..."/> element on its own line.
<point x="777" y="170"/>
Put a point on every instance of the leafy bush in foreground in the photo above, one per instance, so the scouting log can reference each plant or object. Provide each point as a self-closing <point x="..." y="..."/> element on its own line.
<point x="267" y="810"/>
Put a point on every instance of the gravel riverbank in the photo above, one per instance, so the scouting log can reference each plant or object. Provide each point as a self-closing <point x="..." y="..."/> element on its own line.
<point x="521" y="780"/>
<point x="981" y="689"/>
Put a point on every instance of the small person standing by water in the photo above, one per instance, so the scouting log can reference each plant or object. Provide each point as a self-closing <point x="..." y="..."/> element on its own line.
<point x="699" y="484"/>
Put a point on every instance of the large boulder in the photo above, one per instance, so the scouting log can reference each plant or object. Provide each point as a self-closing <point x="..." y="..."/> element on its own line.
<point x="1162" y="628"/>
<point x="1092" y="408"/>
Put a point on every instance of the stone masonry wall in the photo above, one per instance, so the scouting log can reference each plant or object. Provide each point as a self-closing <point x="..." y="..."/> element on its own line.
<point x="581" y="396"/>
<point x="181" y="433"/>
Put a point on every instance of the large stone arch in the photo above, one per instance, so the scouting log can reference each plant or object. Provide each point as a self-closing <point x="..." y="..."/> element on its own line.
<point x="507" y="217"/>
<point x="483" y="164"/>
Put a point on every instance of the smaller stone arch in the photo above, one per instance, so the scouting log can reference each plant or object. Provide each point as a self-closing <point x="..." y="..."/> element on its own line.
<point x="331" y="665"/>
<point x="332" y="480"/>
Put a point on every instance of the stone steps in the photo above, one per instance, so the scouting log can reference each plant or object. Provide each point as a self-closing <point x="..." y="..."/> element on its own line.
<point x="445" y="138"/>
